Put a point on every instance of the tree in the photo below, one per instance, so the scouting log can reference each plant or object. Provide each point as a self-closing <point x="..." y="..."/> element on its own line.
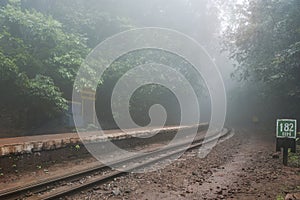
<point x="148" y="95"/>
<point x="93" y="20"/>
<point x="39" y="62"/>
<point x="47" y="40"/>
<point x="99" y="19"/>
<point x="264" y="38"/>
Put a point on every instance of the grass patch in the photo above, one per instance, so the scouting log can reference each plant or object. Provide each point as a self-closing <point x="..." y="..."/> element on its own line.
<point x="279" y="197"/>
<point x="294" y="158"/>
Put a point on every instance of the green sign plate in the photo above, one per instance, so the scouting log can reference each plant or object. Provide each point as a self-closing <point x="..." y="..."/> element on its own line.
<point x="286" y="128"/>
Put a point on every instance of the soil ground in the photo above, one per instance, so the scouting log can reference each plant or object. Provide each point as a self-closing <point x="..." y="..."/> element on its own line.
<point x="242" y="167"/>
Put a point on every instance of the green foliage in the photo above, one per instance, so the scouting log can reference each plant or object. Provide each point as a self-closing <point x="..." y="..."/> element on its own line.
<point x="38" y="65"/>
<point x="43" y="91"/>
<point x="40" y="46"/>
<point x="77" y="147"/>
<point x="91" y="20"/>
<point x="279" y="197"/>
<point x="148" y="95"/>
<point x="44" y="42"/>
<point x="8" y="69"/>
<point x="264" y="38"/>
<point x="294" y="158"/>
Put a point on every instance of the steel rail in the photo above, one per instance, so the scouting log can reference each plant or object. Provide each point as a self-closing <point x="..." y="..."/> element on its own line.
<point x="39" y="187"/>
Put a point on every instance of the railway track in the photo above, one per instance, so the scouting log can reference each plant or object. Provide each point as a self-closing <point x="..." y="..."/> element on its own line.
<point x="55" y="188"/>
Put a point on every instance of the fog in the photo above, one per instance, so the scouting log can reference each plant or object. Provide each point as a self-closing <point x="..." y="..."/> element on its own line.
<point x="52" y="38"/>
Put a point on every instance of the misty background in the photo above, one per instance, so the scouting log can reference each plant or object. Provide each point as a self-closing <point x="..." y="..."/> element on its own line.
<point x="255" y="45"/>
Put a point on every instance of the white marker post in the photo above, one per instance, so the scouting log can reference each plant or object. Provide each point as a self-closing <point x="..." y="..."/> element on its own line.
<point x="286" y="133"/>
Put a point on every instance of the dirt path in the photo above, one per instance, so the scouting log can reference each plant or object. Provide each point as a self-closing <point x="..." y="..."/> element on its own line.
<point x="239" y="168"/>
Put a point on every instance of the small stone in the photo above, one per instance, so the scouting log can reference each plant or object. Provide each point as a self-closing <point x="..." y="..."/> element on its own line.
<point x="127" y="191"/>
<point x="189" y="190"/>
<point x="275" y="155"/>
<point x="96" y="188"/>
<point x="28" y="194"/>
<point x="292" y="196"/>
<point x="297" y="195"/>
<point x="220" y="192"/>
<point x="116" y="192"/>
